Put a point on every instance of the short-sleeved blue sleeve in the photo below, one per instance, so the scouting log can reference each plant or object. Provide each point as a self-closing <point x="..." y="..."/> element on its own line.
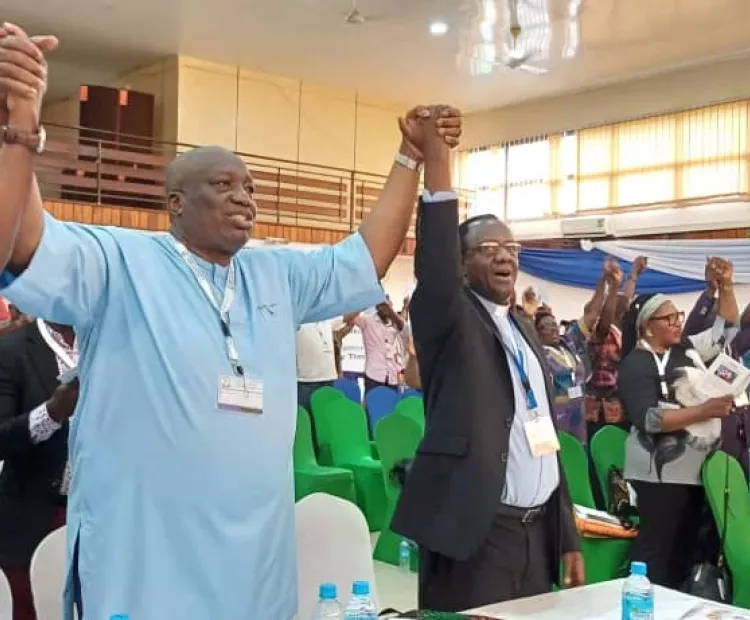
<point x="332" y="280"/>
<point x="66" y="279"/>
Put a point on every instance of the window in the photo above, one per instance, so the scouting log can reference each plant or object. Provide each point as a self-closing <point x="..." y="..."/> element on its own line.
<point x="644" y="170"/>
<point x="689" y="155"/>
<point x="483" y="172"/>
<point x="528" y="180"/>
<point x="714" y="151"/>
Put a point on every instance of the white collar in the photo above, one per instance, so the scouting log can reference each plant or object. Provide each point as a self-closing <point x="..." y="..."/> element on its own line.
<point x="497" y="311"/>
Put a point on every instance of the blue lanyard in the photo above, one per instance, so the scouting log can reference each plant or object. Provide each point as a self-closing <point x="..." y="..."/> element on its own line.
<point x="519" y="360"/>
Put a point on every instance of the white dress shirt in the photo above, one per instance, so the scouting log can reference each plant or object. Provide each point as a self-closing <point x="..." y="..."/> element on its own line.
<point x="316" y="361"/>
<point x="529" y="481"/>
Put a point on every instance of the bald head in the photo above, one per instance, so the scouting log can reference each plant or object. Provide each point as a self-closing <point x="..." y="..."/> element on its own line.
<point x="210" y="202"/>
<point x="193" y="166"/>
<point x="474" y="230"/>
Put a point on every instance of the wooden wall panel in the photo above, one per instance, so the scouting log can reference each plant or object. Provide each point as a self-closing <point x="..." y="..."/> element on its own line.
<point x="151" y="219"/>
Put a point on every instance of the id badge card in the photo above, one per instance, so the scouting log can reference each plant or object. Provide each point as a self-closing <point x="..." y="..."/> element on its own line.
<point x="240" y="394"/>
<point x="575" y="392"/>
<point x="541" y="435"/>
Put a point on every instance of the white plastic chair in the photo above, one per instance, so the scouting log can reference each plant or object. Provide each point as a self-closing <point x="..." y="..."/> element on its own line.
<point x="48" y="575"/>
<point x="333" y="545"/>
<point x="6" y="598"/>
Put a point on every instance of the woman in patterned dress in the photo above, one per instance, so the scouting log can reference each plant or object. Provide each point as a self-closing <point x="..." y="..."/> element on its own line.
<point x="565" y="359"/>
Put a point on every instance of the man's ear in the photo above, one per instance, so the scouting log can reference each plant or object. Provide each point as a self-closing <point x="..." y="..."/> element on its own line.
<point x="174" y="203"/>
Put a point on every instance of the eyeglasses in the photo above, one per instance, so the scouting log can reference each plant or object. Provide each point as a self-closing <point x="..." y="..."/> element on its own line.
<point x="490" y="249"/>
<point x="676" y="318"/>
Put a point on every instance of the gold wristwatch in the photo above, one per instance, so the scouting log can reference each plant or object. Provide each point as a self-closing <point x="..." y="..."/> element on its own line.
<point x="34" y="141"/>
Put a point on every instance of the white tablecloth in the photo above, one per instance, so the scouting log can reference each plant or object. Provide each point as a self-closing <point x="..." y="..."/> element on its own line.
<point x="602" y="601"/>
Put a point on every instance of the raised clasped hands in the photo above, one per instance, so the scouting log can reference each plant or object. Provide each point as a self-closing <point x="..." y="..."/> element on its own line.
<point x="430" y="131"/>
<point x="23" y="74"/>
<point x="613" y="272"/>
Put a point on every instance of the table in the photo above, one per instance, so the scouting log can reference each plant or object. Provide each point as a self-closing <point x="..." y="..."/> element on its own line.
<point x="601" y="601"/>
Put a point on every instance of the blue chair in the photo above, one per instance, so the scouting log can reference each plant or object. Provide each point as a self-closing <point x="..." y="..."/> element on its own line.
<point x="380" y="401"/>
<point x="409" y="392"/>
<point x="349" y="388"/>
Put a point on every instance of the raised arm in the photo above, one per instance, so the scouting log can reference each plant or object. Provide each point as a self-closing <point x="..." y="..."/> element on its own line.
<point x="702" y="315"/>
<point x="607" y="318"/>
<point x="384" y="228"/>
<point x="727" y="307"/>
<point x="437" y="258"/>
<point x="638" y="267"/>
<point x="23" y="82"/>
<point x="593" y="309"/>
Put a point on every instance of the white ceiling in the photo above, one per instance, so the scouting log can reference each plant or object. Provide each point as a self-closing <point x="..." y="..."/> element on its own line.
<point x="391" y="56"/>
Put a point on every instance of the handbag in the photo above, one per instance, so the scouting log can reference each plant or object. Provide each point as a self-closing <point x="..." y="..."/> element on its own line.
<point x="713" y="581"/>
<point x="618" y="497"/>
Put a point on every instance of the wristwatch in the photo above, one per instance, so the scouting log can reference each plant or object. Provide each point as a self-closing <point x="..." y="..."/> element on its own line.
<point x="35" y="142"/>
<point x="407" y="162"/>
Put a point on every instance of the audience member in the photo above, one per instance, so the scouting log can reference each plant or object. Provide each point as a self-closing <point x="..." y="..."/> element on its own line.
<point x="384" y="338"/>
<point x="603" y="404"/>
<point x="182" y="499"/>
<point x="484" y="498"/>
<point x="316" y="359"/>
<point x="567" y="371"/>
<point x="34" y="413"/>
<point x="664" y="451"/>
<point x="701" y="318"/>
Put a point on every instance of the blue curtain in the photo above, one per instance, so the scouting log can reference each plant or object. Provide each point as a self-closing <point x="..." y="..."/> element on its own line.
<point x="582" y="269"/>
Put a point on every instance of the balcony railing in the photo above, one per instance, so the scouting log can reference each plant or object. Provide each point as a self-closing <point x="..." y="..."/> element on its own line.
<point x="92" y="167"/>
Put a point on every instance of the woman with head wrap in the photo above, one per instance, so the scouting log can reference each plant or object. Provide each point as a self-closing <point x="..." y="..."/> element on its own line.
<point x="663" y="458"/>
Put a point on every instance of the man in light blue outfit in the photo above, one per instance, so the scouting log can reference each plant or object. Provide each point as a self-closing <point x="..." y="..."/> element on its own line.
<point x="181" y="503"/>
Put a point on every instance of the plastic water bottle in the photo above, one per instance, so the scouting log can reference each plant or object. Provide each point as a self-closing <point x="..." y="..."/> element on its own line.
<point x="361" y="606"/>
<point x="404" y="556"/>
<point x="328" y="605"/>
<point x="637" y="594"/>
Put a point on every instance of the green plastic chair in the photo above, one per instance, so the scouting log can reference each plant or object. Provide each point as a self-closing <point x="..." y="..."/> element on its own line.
<point x="318" y="403"/>
<point x="346" y="425"/>
<point x="607" y="448"/>
<point x="604" y="558"/>
<point x="309" y="476"/>
<point x="737" y="541"/>
<point x="575" y="465"/>
<point x="412" y="407"/>
<point x="397" y="437"/>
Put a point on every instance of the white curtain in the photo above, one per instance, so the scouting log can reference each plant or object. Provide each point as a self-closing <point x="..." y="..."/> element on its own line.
<point x="685" y="258"/>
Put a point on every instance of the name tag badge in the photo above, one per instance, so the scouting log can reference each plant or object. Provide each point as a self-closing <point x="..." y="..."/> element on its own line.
<point x="541" y="435"/>
<point x="240" y="394"/>
<point x="575" y="392"/>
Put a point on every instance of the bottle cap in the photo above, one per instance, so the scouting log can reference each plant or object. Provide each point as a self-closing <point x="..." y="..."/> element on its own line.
<point x="638" y="568"/>
<point x="119" y="617"/>
<point x="361" y="588"/>
<point x="327" y="591"/>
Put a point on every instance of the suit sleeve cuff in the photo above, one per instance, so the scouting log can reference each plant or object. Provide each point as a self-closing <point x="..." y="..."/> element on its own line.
<point x="41" y="425"/>
<point x="443" y="196"/>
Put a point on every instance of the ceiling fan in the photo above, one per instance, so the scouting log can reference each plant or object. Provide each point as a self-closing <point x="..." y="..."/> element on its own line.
<point x="355" y="16"/>
<point x="523" y="62"/>
<point x="515" y="58"/>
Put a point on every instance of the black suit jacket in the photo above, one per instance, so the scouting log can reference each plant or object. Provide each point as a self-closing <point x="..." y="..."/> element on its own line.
<point x="453" y="490"/>
<point x="31" y="475"/>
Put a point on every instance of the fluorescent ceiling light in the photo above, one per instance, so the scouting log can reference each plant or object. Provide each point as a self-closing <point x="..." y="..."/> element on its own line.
<point x="438" y="28"/>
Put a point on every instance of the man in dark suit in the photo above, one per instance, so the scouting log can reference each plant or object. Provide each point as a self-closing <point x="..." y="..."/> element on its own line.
<point x="34" y="412"/>
<point x="485" y="498"/>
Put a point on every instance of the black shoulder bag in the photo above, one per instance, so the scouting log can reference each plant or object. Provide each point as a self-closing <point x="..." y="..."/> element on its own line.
<point x="713" y="581"/>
